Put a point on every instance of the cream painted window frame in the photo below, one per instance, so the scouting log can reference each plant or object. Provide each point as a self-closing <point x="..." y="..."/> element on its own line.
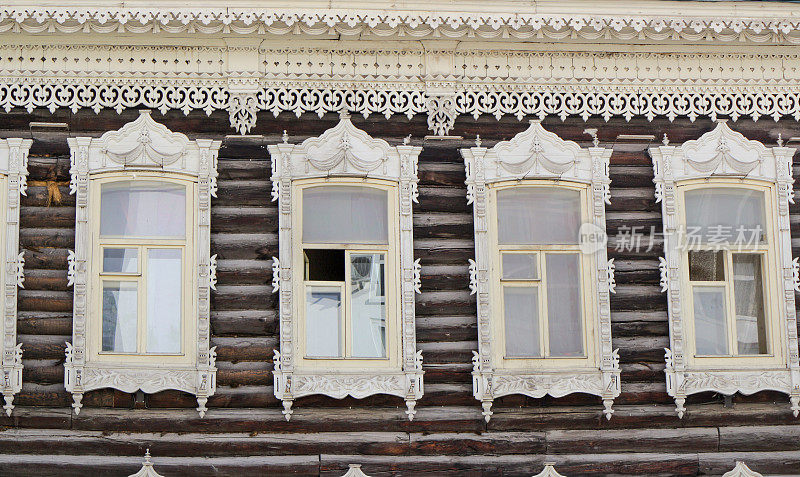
<point x="724" y="157"/>
<point x="188" y="325"/>
<point x="345" y="153"/>
<point x="146" y="149"/>
<point x="13" y="183"/>
<point x="498" y="306"/>
<point x="392" y="271"/>
<point x="539" y="156"/>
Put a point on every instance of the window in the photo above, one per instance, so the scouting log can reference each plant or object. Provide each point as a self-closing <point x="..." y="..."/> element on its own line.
<point x="13" y="177"/>
<point x="727" y="266"/>
<point x="726" y="269"/>
<point x="347" y="304"/>
<point x="345" y="253"/>
<point x="142" y="269"/>
<point x="541" y="275"/>
<point x="540" y="271"/>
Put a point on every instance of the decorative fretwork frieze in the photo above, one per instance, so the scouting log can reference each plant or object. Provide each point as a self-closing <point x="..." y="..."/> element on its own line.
<point x="434" y="22"/>
<point x="14" y="168"/>
<point x="387" y="99"/>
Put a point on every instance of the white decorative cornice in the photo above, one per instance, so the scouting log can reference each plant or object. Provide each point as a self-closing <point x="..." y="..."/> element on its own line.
<point x="776" y="26"/>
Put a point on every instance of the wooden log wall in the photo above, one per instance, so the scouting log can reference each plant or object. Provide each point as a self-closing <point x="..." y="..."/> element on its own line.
<point x="244" y="432"/>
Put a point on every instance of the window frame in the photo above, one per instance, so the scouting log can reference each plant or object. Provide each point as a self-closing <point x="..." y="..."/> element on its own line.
<point x="770" y="292"/>
<point x="347" y="155"/>
<point x="540" y="158"/>
<point x="390" y="276"/>
<point x="726" y="158"/>
<point x="13" y="184"/>
<point x="498" y="306"/>
<point x="141" y="150"/>
<point x="188" y="325"/>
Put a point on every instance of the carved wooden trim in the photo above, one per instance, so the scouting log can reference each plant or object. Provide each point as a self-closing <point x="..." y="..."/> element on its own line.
<point x="538" y="153"/>
<point x="13" y="165"/>
<point x="549" y="471"/>
<point x="142" y="145"/>
<point x="436" y="21"/>
<point x="147" y="469"/>
<point x="334" y="154"/>
<point x="722" y="152"/>
<point x="741" y="470"/>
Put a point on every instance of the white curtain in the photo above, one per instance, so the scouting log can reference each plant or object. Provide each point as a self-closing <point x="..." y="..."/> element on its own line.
<point x="751" y="332"/>
<point x="521" y="321"/>
<point x="728" y="207"/>
<point x="345" y="214"/>
<point x="143" y="209"/>
<point x="164" y="300"/>
<point x="538" y="215"/>
<point x="565" y="330"/>
<point x="710" y="327"/>
<point x="520" y="266"/>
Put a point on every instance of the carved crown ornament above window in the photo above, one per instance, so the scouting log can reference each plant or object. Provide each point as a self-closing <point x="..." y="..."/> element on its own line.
<point x="538" y="154"/>
<point x="150" y="147"/>
<point x="14" y="173"/>
<point x="342" y="152"/>
<point x="728" y="157"/>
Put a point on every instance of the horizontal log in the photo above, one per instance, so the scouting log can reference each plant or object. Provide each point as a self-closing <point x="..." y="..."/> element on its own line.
<point x="244" y="322"/>
<point x="46" y="258"/>
<point x="44" y="322"/>
<point x="47" y="280"/>
<point x="243" y="297"/>
<point x="45" y="300"/>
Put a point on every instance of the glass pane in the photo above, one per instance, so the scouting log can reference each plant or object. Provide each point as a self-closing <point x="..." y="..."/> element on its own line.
<point x="709" y="321"/>
<point x="164" y="300"/>
<point x="521" y="321"/>
<point x="323" y="321"/>
<point x="706" y="266"/>
<point x="368" y="304"/>
<point x="345" y="214"/>
<point x="119" y="316"/>
<point x="748" y="291"/>
<point x="564" y="313"/>
<point x="725" y="215"/>
<point x="538" y="215"/>
<point x="143" y="209"/>
<point x="120" y="260"/>
<point x="324" y="265"/>
<point x="520" y="266"/>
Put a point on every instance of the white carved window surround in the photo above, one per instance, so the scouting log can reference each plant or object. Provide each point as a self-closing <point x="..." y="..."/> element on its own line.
<point x="728" y="269"/>
<point x="141" y="270"/>
<point x="369" y="186"/>
<point x="13" y="183"/>
<point x="535" y="174"/>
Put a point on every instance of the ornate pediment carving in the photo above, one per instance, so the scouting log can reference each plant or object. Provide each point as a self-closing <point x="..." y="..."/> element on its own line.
<point x="724" y="150"/>
<point x="537" y="148"/>
<point x="144" y="142"/>
<point x="345" y="148"/>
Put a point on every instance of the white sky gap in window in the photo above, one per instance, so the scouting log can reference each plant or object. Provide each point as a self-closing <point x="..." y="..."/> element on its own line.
<point x="346" y="272"/>
<point x="541" y="272"/>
